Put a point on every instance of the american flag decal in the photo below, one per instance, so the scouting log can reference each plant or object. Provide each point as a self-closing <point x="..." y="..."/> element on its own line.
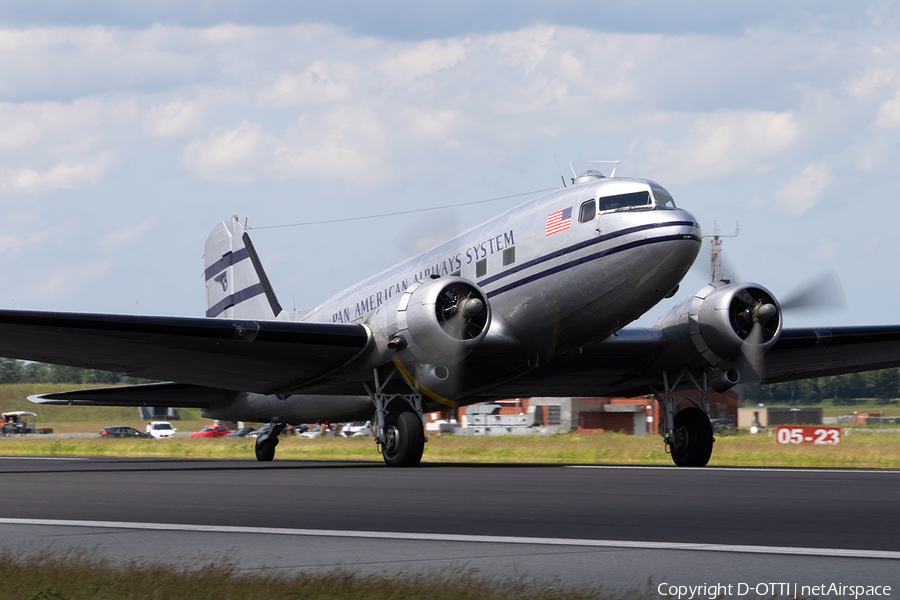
<point x="559" y="221"/>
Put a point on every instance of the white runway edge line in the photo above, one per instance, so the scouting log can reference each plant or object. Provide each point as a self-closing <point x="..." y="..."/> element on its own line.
<point x="676" y="469"/>
<point x="40" y="458"/>
<point x="443" y="537"/>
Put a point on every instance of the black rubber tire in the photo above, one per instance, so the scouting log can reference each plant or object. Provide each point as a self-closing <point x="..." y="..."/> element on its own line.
<point x="406" y="441"/>
<point x="693" y="424"/>
<point x="265" y="449"/>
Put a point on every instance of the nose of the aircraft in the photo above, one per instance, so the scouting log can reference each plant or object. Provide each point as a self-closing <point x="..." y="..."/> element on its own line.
<point x="683" y="238"/>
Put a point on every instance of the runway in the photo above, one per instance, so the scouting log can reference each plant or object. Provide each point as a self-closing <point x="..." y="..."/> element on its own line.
<point x="573" y="524"/>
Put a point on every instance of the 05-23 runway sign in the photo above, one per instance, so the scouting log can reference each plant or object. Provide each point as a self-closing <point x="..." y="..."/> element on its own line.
<point x="823" y="436"/>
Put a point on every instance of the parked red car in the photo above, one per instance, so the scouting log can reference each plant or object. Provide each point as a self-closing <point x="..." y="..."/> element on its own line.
<point x="211" y="431"/>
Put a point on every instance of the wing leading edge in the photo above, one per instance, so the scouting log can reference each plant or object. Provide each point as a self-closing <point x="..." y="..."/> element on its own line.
<point x="255" y="356"/>
<point x="628" y="363"/>
<point x="821" y="352"/>
<point x="210" y="358"/>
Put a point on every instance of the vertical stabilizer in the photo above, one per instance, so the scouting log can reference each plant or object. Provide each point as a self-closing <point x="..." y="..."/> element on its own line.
<point x="236" y="284"/>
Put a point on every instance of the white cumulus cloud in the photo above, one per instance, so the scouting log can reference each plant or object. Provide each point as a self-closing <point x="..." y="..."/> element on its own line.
<point x="805" y="190"/>
<point x="126" y="235"/>
<point x="724" y="142"/>
<point x="173" y="119"/>
<point x="66" y="175"/>
<point x="889" y="113"/>
<point x="321" y="83"/>
<point x="239" y="155"/>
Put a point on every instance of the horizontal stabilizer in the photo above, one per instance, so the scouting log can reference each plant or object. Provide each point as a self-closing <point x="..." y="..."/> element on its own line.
<point x="177" y="395"/>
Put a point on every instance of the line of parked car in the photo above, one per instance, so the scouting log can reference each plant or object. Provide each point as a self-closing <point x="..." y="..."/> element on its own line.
<point x="164" y="429"/>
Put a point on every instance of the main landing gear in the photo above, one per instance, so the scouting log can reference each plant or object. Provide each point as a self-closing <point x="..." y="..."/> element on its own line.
<point x="688" y="433"/>
<point x="398" y="423"/>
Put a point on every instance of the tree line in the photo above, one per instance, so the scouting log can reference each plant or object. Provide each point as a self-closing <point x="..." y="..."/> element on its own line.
<point x="17" y="371"/>
<point x="883" y="386"/>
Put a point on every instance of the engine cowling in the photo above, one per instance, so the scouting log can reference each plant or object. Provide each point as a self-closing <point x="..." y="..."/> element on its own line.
<point x="434" y="325"/>
<point x="720" y="326"/>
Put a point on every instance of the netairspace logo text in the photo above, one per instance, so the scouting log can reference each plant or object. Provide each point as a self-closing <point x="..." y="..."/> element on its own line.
<point x="772" y="590"/>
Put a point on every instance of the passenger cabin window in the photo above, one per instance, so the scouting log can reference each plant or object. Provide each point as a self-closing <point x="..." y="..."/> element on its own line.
<point x="632" y="200"/>
<point x="509" y="256"/>
<point x="588" y="212"/>
<point x="481" y="267"/>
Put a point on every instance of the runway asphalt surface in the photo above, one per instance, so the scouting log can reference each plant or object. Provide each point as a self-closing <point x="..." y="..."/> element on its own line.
<point x="578" y="525"/>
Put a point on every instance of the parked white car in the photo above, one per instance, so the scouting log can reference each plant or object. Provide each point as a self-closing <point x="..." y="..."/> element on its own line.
<point x="357" y="429"/>
<point x="160" y="429"/>
<point x="317" y="431"/>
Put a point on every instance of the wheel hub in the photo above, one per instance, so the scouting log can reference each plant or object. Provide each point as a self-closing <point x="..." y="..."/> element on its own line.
<point x="680" y="439"/>
<point x="391" y="439"/>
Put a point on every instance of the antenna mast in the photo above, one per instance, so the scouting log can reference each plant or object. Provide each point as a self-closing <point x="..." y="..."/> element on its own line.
<point x="615" y="164"/>
<point x="715" y="260"/>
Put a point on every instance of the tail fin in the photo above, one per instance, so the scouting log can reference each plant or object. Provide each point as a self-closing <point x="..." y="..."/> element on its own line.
<point x="236" y="284"/>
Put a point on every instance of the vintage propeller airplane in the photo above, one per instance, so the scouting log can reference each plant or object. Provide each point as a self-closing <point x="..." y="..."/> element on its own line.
<point x="531" y="303"/>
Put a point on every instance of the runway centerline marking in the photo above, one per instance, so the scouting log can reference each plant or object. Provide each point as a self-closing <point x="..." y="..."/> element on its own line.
<point x="447" y="537"/>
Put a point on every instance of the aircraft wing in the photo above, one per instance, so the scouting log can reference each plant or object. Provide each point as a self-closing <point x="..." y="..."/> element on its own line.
<point x="216" y="356"/>
<point x="255" y="356"/>
<point x="627" y="363"/>
<point x="820" y="352"/>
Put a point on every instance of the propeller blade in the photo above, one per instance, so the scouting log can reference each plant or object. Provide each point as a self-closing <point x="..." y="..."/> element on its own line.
<point x="752" y="350"/>
<point x="823" y="292"/>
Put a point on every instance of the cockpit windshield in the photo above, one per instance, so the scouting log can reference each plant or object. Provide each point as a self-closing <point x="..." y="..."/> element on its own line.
<point x="619" y="201"/>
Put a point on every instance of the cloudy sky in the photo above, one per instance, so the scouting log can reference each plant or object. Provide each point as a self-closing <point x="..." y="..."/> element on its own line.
<point x="127" y="131"/>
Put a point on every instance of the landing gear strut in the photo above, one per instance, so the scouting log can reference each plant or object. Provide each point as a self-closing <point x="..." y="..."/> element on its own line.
<point x="265" y="444"/>
<point x="398" y="423"/>
<point x="687" y="434"/>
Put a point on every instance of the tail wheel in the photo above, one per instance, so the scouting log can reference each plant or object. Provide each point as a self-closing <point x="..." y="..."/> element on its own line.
<point x="693" y="440"/>
<point x="265" y="448"/>
<point x="404" y="439"/>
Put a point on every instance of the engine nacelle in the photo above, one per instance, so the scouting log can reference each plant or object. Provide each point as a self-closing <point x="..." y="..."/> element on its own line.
<point x="434" y="324"/>
<point x="720" y="325"/>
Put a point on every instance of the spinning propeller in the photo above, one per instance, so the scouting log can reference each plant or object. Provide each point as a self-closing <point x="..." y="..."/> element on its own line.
<point x="460" y="312"/>
<point x="755" y="316"/>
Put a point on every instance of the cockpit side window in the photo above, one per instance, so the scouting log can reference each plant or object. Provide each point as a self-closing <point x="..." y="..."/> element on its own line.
<point x="588" y="212"/>
<point x="632" y="200"/>
<point x="663" y="199"/>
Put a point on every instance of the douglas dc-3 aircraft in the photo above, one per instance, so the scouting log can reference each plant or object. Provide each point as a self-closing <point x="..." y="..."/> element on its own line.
<point x="531" y="303"/>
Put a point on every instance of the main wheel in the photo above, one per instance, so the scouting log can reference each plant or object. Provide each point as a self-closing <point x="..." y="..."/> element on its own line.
<point x="693" y="441"/>
<point x="265" y="448"/>
<point x="404" y="439"/>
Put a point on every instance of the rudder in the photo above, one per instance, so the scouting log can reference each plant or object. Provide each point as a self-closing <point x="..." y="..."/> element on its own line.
<point x="236" y="284"/>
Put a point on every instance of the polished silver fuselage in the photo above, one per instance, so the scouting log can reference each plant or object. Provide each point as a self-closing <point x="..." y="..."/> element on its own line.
<point x="561" y="290"/>
<point x="552" y="288"/>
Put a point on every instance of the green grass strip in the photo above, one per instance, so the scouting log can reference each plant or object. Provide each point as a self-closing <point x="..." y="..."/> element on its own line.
<point x="857" y="450"/>
<point x="79" y="574"/>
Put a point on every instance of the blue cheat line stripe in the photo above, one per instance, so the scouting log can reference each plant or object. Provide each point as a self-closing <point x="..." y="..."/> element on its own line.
<point x="580" y="245"/>
<point x="590" y="257"/>
<point x="236" y="298"/>
<point x="232" y="258"/>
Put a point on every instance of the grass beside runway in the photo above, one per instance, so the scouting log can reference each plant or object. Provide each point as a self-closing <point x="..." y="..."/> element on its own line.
<point x="80" y="574"/>
<point x="856" y="450"/>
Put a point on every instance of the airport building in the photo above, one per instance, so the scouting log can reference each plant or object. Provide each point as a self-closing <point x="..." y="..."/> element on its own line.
<point x="637" y="415"/>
